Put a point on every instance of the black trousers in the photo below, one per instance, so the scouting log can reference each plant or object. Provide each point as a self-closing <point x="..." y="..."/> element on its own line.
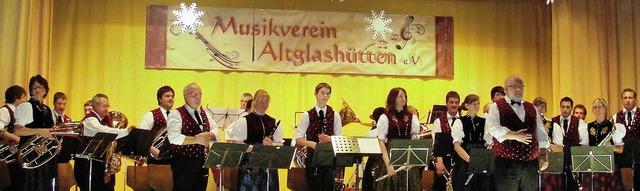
<point x="81" y="172"/>
<point x="440" y="182"/>
<point x="188" y="174"/>
<point x="321" y="178"/>
<point x="516" y="175"/>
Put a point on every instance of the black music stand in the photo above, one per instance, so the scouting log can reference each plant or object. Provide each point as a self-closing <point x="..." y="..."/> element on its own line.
<point x="224" y="155"/>
<point x="349" y="150"/>
<point x="96" y="150"/>
<point x="592" y="159"/>
<point x="406" y="152"/>
<point x="136" y="146"/>
<point x="271" y="157"/>
<point x="436" y="112"/>
<point x="556" y="166"/>
<point x="225" y="116"/>
<point x="481" y="161"/>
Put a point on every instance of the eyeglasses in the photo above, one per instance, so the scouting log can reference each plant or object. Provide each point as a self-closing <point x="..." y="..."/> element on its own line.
<point x="194" y="94"/>
<point x="517" y="86"/>
<point x="598" y="107"/>
<point x="38" y="87"/>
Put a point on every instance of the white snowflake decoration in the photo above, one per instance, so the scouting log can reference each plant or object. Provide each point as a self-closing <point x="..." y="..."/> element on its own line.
<point x="550" y="1"/>
<point x="378" y="25"/>
<point x="188" y="17"/>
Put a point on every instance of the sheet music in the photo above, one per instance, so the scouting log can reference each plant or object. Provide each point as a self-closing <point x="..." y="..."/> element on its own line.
<point x="368" y="145"/>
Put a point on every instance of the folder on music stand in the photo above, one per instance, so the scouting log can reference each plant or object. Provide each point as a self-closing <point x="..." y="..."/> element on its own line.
<point x="481" y="161"/>
<point x="349" y="150"/>
<point x="138" y="143"/>
<point x="409" y="152"/>
<point x="97" y="147"/>
<point x="271" y="157"/>
<point x="592" y="159"/>
<point x="225" y="155"/>
<point x="556" y="163"/>
<point x="324" y="155"/>
<point x="225" y="116"/>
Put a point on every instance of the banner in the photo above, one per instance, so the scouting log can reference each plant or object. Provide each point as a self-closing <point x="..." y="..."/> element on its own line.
<point x="290" y="41"/>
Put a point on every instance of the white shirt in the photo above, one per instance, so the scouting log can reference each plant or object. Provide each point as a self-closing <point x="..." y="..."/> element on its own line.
<point x="383" y="126"/>
<point x="92" y="126"/>
<point x="437" y="127"/>
<point x="147" y="119"/>
<point x="24" y="114"/>
<point x="238" y="131"/>
<point x="497" y="131"/>
<point x="621" y="129"/>
<point x="301" y="130"/>
<point x="5" y="116"/>
<point x="174" y="125"/>
<point x="559" y="132"/>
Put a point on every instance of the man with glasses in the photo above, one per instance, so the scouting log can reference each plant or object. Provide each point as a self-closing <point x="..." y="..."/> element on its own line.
<point x="629" y="117"/>
<point x="190" y="129"/>
<point x="519" y="139"/>
<point x="568" y="131"/>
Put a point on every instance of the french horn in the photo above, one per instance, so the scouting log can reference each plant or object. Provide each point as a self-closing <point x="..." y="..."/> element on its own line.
<point x="120" y="120"/>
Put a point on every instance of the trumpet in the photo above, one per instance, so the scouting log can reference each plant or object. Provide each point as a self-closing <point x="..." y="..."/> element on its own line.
<point x="158" y="143"/>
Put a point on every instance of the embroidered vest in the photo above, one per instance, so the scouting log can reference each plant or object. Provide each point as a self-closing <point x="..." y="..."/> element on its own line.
<point x="190" y="127"/>
<point x="571" y="136"/>
<point x="512" y="149"/>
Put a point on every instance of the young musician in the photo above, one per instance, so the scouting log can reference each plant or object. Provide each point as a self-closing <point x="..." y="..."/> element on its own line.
<point x="257" y="128"/>
<point x="373" y="167"/>
<point x="580" y="111"/>
<point x="568" y="131"/>
<point x="156" y="120"/>
<point x="396" y="123"/>
<point x="69" y="144"/>
<point x="471" y="135"/>
<point x="190" y="130"/>
<point x="317" y="126"/>
<point x="14" y="96"/>
<point x="443" y="141"/>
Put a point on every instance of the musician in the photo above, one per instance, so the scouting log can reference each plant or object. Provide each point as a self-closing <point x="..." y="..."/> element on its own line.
<point x="33" y="117"/>
<point x="497" y="93"/>
<point x="580" y="111"/>
<point x="471" y="135"/>
<point x="372" y="168"/>
<point x="97" y="121"/>
<point x="244" y="99"/>
<point x="190" y="130"/>
<point x="396" y="123"/>
<point x="14" y="96"/>
<point x="317" y="126"/>
<point x="629" y="117"/>
<point x="541" y="104"/>
<point x="68" y="144"/>
<point x="568" y="131"/>
<point x="519" y="139"/>
<point x="443" y="141"/>
<point x="156" y="120"/>
<point x="598" y="131"/>
<point x="87" y="107"/>
<point x="257" y="128"/>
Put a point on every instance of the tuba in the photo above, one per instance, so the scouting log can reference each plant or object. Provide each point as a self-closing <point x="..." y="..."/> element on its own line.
<point x="8" y="150"/>
<point x="120" y="120"/>
<point x="37" y="151"/>
<point x="112" y="160"/>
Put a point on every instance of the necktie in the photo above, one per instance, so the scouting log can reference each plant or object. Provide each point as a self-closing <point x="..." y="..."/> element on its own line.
<point x="453" y="120"/>
<point x="515" y="102"/>
<point x="59" y="120"/>
<point x="565" y="123"/>
<point x="167" y="113"/>
<point x="628" y="118"/>
<point x="195" y="112"/>
<point x="321" y="115"/>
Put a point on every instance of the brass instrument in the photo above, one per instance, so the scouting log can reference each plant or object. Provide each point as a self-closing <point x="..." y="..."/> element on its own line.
<point x="158" y="142"/>
<point x="347" y="114"/>
<point x="37" y="151"/>
<point x="8" y="150"/>
<point x="608" y="137"/>
<point x="120" y="120"/>
<point x="112" y="162"/>
<point x="300" y="157"/>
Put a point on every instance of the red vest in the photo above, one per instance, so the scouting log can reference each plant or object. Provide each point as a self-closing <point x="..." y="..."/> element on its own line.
<point x="159" y="121"/>
<point x="105" y="121"/>
<point x="633" y="131"/>
<point x="190" y="127"/>
<point x="316" y="126"/>
<point x="571" y="137"/>
<point x="445" y="128"/>
<point x="12" y="119"/>
<point x="400" y="128"/>
<point x="512" y="149"/>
